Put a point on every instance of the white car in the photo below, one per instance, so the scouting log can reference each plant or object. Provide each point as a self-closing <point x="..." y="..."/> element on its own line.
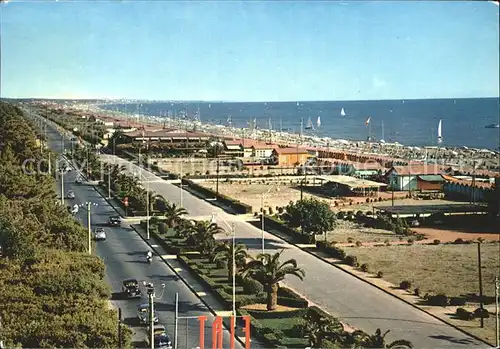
<point x="71" y="194"/>
<point x="100" y="234"/>
<point x="78" y="180"/>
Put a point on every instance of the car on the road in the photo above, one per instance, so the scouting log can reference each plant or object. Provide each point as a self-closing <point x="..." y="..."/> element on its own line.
<point x="99" y="234"/>
<point x="160" y="341"/>
<point x="78" y="180"/>
<point x="115" y="221"/>
<point x="143" y="314"/>
<point x="130" y="288"/>
<point x="70" y="194"/>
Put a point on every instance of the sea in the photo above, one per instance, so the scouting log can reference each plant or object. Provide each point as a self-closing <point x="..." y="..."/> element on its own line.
<point x="409" y="122"/>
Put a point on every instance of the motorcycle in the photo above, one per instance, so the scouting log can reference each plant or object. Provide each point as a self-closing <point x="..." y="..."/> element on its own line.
<point x="149" y="259"/>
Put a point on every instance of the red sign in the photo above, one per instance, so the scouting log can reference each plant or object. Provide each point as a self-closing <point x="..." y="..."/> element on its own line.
<point x="125" y="201"/>
<point x="218" y="330"/>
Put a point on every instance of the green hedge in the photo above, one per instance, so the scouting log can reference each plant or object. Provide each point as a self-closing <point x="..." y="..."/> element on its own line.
<point x="238" y="206"/>
<point x="274" y="223"/>
<point x="335" y="252"/>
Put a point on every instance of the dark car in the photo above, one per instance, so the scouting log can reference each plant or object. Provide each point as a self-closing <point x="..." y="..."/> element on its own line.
<point x="131" y="288"/>
<point x="115" y="221"/>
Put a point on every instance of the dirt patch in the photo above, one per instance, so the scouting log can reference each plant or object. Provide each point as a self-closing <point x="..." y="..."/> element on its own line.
<point x="448" y="269"/>
<point x="264" y="307"/>
<point x="447" y="235"/>
<point x="346" y="231"/>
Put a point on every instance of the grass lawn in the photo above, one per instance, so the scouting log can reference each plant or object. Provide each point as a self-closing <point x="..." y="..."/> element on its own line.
<point x="291" y="338"/>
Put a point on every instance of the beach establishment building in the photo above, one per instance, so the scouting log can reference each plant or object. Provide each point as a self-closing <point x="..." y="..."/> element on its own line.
<point x="415" y="177"/>
<point x="290" y="156"/>
<point x="171" y="136"/>
<point x="248" y="148"/>
<point x="356" y="169"/>
<point x="339" y="185"/>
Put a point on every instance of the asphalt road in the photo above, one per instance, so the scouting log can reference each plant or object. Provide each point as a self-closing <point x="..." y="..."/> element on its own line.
<point x="354" y="301"/>
<point x="124" y="255"/>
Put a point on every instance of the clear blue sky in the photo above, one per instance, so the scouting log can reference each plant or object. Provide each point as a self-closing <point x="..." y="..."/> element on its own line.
<point x="250" y="51"/>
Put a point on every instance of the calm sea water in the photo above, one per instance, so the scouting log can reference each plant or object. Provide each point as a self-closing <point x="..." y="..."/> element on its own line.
<point x="410" y="122"/>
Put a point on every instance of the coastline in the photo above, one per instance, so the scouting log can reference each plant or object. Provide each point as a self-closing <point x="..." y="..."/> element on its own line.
<point x="472" y="159"/>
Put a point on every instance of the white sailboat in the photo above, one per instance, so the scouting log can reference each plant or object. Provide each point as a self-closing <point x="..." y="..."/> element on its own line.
<point x="342" y="112"/>
<point x="440" y="134"/>
<point x="318" y="122"/>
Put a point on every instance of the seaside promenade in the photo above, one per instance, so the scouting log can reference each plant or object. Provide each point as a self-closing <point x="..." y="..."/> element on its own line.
<point x="355" y="302"/>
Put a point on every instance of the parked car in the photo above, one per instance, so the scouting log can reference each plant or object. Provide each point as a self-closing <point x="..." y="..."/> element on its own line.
<point x="78" y="180"/>
<point x="115" y="221"/>
<point x="70" y="194"/>
<point x="100" y="234"/>
<point x="130" y="288"/>
<point x="143" y="314"/>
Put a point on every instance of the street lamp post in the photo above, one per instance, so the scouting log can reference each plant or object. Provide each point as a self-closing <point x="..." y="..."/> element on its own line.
<point x="61" y="172"/>
<point x="88" y="206"/>
<point x="151" y="297"/>
<point x="147" y="203"/>
<point x="233" y="233"/>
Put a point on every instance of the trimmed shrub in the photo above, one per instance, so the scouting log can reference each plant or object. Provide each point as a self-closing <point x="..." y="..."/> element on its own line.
<point x="459" y="241"/>
<point x="410" y="241"/>
<point x="416" y="292"/>
<point x="359" y="243"/>
<point x="438" y="300"/>
<point x="351" y="260"/>
<point x="364" y="267"/>
<point x="404" y="285"/>
<point x="436" y="242"/>
<point x="380" y="274"/>
<point x="350" y="240"/>
<point x="481" y="313"/>
<point x="252" y="286"/>
<point x="463" y="314"/>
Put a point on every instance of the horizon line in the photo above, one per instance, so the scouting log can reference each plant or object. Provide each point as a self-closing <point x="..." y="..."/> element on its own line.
<point x="104" y="99"/>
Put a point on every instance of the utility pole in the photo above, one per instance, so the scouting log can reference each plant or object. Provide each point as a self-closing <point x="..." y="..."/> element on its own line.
<point x="119" y="328"/>
<point x="481" y="306"/>
<point x="109" y="181"/>
<point x="151" y="292"/>
<point x="262" y="219"/>
<point x="61" y="172"/>
<point x="497" y="324"/>
<point x="217" y="171"/>
<point x="181" y="184"/>
<point x="176" y="323"/>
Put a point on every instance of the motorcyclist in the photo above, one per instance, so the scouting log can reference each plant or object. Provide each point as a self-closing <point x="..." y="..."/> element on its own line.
<point x="149" y="255"/>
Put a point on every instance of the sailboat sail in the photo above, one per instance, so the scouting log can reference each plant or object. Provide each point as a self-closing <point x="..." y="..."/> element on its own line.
<point x="382" y="140"/>
<point x="342" y="112"/>
<point x="309" y="124"/>
<point x="318" y="121"/>
<point x="440" y="134"/>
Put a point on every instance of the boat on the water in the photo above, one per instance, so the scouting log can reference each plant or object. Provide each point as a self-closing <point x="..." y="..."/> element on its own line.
<point x="492" y="126"/>
<point x="440" y="134"/>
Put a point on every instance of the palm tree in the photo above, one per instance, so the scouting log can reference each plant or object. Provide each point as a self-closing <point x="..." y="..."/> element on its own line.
<point x="202" y="236"/>
<point x="126" y="183"/>
<point x="173" y="214"/>
<point x="268" y="269"/>
<point x="364" y="340"/>
<point x="154" y="199"/>
<point x="224" y="253"/>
